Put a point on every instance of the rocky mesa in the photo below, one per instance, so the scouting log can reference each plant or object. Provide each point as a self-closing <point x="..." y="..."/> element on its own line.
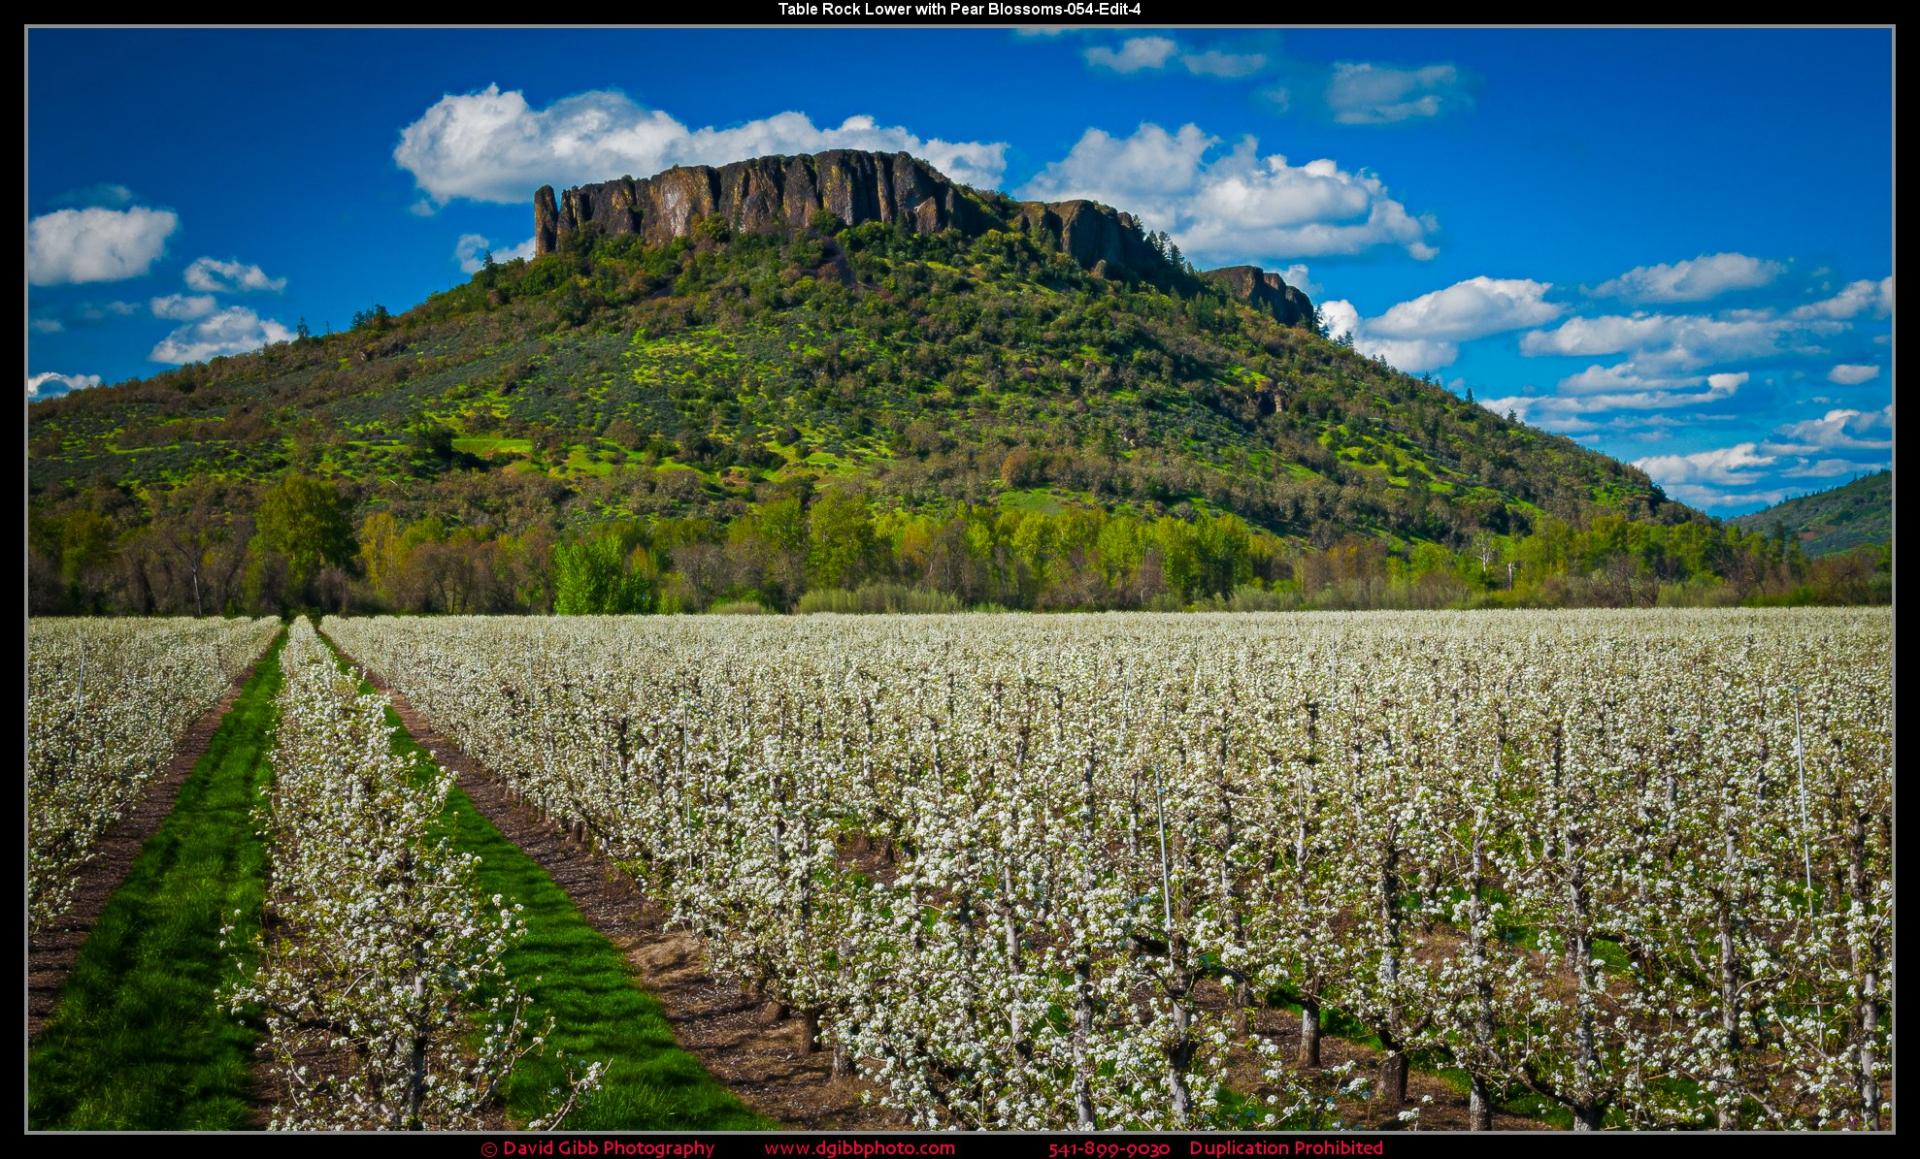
<point x="772" y="193"/>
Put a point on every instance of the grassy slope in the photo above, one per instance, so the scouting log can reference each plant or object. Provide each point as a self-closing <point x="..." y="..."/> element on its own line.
<point x="732" y="369"/>
<point x="600" y="1012"/>
<point x="140" y="1040"/>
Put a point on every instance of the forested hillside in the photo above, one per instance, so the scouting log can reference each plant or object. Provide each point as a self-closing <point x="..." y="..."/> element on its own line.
<point x="1852" y="515"/>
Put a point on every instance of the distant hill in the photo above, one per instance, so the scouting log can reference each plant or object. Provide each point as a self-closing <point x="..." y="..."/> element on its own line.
<point x="695" y="356"/>
<point x="1848" y="516"/>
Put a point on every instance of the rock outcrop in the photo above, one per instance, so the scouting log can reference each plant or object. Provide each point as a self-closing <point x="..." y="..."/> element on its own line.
<point x="1106" y="241"/>
<point x="763" y="194"/>
<point x="772" y="193"/>
<point x="1265" y="291"/>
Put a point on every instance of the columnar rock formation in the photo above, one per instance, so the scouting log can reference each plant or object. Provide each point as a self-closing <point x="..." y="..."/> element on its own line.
<point x="772" y="193"/>
<point x="763" y="194"/>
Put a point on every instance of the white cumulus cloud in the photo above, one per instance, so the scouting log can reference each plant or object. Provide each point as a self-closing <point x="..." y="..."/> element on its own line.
<point x="234" y="330"/>
<point x="1300" y="278"/>
<point x="1730" y="466"/>
<point x="1757" y="472"/>
<point x="1849" y="374"/>
<point x="1841" y="442"/>
<point x="1136" y="54"/>
<point x="493" y="146"/>
<point x="1425" y="333"/>
<point x="1154" y="53"/>
<point x="1471" y="309"/>
<point x="183" y="307"/>
<point x="52" y="383"/>
<point x="1597" y="379"/>
<point x="471" y="250"/>
<point x="96" y="244"/>
<point x="1413" y="355"/>
<point x="1675" y="341"/>
<point x="1842" y="429"/>
<point x="212" y="276"/>
<point x="1600" y="390"/>
<point x="1375" y="94"/>
<point x="1693" y="280"/>
<point x="1240" y="206"/>
<point x="1823" y="469"/>
<point x="1225" y="65"/>
<point x="1609" y="334"/>
<point x="1856" y="299"/>
<point x="1707" y="496"/>
<point x="1341" y="319"/>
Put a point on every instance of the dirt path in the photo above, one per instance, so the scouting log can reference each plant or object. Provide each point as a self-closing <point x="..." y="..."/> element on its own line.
<point x="53" y="949"/>
<point x="759" y="1060"/>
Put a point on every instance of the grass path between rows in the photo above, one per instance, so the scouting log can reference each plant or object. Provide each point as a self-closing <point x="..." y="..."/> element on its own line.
<point x="139" y="1039"/>
<point x="600" y="1009"/>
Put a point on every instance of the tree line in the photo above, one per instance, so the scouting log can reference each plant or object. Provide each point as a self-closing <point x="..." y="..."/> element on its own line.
<point x="304" y="543"/>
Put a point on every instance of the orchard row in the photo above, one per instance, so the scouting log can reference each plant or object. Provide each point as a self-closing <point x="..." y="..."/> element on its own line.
<point x="1048" y="872"/>
<point x="380" y="979"/>
<point x="107" y="703"/>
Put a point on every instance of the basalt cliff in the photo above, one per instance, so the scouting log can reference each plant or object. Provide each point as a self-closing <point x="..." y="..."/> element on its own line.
<point x="767" y="194"/>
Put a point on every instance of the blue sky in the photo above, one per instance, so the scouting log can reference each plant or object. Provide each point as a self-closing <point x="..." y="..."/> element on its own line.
<point x="1675" y="246"/>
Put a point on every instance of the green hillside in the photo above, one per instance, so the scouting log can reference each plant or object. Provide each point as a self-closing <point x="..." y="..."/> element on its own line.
<point x="1851" y="515"/>
<point x="987" y="421"/>
<point x="688" y="377"/>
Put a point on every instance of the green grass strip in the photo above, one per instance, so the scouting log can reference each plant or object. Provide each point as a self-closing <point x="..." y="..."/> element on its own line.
<point x="139" y="1040"/>
<point x="601" y="1012"/>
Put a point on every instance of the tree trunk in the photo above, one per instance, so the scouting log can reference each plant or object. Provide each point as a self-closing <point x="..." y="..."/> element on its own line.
<point x="1869" y="1029"/>
<point x="1586" y="1058"/>
<point x="1082" y="1035"/>
<point x="1309" y="1033"/>
<point x="1393" y="1079"/>
<point x="1727" y="1113"/>
<point x="1010" y="931"/>
<point x="1480" y="1102"/>
<point x="1866" y="961"/>
<point x="417" y="1063"/>
<point x="1179" y="1057"/>
<point x="1083" y="1113"/>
